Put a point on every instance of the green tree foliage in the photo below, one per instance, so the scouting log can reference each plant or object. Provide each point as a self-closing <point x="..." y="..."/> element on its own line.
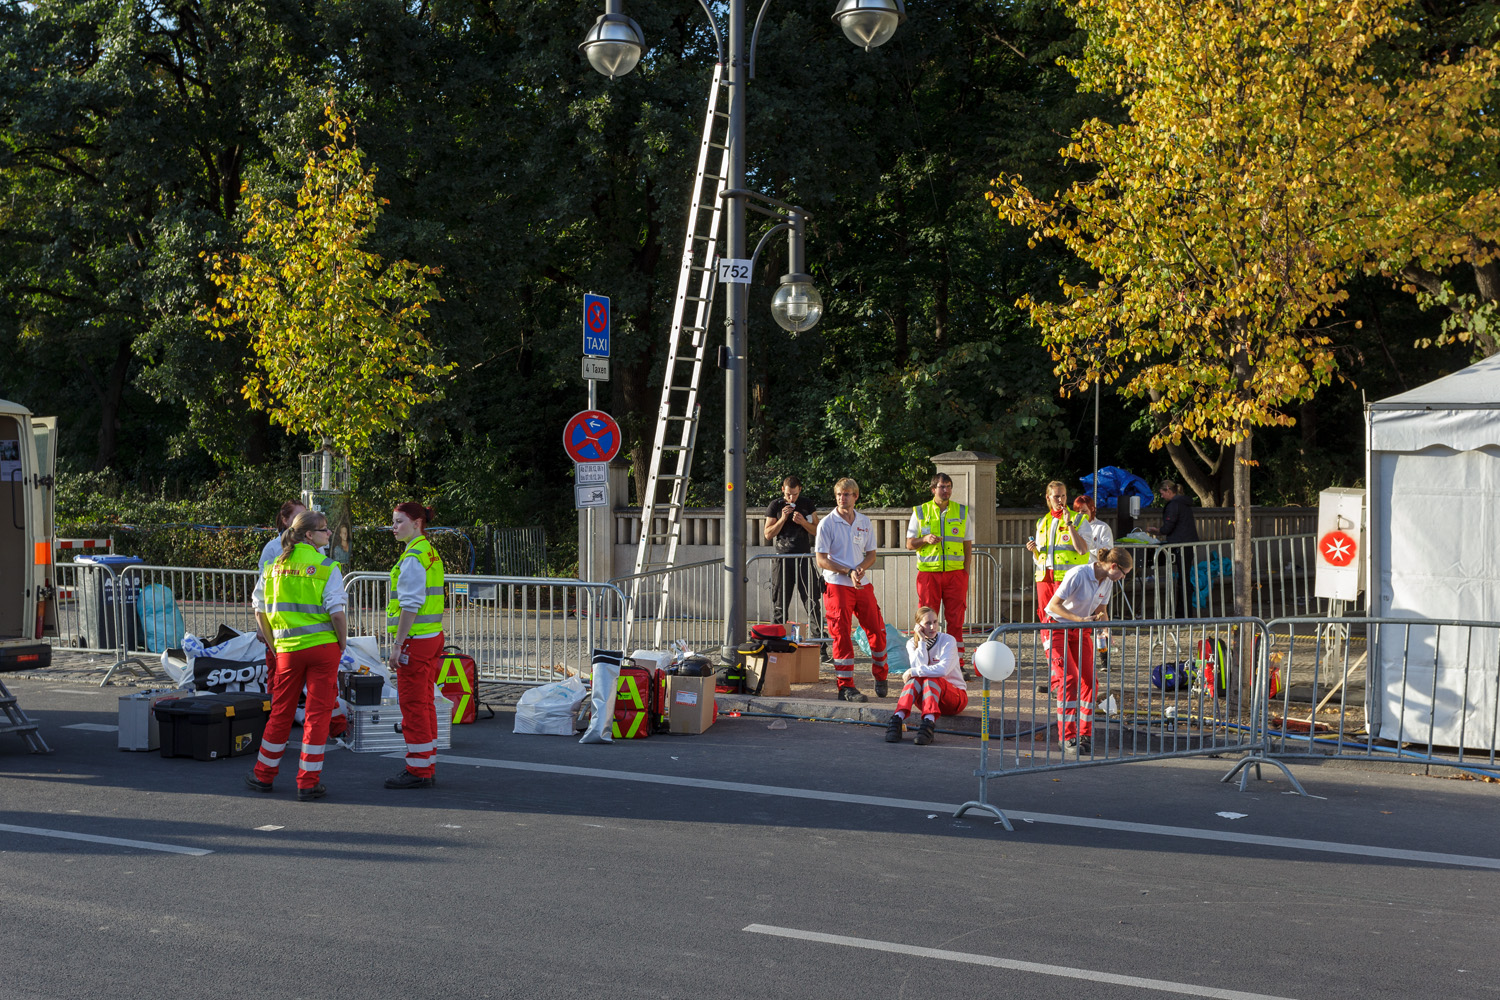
<point x="128" y="129"/>
<point x="126" y="132"/>
<point x="1257" y="173"/>
<point x="333" y="327"/>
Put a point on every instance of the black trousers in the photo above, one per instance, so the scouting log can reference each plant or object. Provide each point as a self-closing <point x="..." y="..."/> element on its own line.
<point x="799" y="574"/>
<point x="1183" y="560"/>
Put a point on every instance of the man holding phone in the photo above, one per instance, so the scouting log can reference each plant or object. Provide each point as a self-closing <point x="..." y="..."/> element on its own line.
<point x="790" y="526"/>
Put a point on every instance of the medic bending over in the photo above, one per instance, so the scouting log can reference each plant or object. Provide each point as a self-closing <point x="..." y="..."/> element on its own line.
<point x="1082" y="597"/>
<point x="846" y="551"/>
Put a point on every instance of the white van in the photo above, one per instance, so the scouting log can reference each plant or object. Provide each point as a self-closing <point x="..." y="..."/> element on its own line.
<point x="28" y="609"/>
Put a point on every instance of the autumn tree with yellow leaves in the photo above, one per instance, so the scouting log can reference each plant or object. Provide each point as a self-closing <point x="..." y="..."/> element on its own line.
<point x="1263" y="161"/>
<point x="334" y="328"/>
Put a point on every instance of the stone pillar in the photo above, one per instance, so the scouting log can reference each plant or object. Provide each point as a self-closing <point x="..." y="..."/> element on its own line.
<point x="596" y="550"/>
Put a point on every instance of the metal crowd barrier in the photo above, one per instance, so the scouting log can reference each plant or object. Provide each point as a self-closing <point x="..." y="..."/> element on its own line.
<point x="519" y="630"/>
<point x="1162" y="689"/>
<point x="801" y="575"/>
<point x="1196" y="579"/>
<point x="95" y="612"/>
<point x="204" y="598"/>
<point x="1417" y="690"/>
<point x="894" y="577"/>
<point x="692" y="612"/>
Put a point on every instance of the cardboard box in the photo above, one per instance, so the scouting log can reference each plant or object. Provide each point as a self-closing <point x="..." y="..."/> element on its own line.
<point x="777" y="671"/>
<point x="690" y="704"/>
<point x="804" y="663"/>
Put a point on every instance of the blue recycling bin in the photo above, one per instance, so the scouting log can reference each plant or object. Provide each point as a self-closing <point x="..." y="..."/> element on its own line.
<point x="99" y="594"/>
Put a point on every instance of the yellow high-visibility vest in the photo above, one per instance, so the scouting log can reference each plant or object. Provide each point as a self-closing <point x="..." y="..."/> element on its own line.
<point x="294" y="599"/>
<point x="950" y="528"/>
<point x="1054" y="543"/>
<point x="430" y="614"/>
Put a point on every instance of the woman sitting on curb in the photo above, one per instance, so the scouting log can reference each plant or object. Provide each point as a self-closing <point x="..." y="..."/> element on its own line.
<point x="934" y="681"/>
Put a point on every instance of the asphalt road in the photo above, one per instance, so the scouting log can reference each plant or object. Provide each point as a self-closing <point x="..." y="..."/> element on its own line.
<point x="716" y="866"/>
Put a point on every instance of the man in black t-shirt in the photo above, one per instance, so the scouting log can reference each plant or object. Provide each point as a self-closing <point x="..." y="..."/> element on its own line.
<point x="791" y="526"/>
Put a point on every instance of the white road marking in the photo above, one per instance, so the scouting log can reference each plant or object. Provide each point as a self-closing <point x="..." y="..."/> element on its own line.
<point x="890" y="947"/>
<point x="70" y="691"/>
<point x="92" y="727"/>
<point x="1091" y="823"/>
<point x="144" y="845"/>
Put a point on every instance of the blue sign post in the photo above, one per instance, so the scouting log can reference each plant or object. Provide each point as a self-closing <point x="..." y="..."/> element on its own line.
<point x="596" y="326"/>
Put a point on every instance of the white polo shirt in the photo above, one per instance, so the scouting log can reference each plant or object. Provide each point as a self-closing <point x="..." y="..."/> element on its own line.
<point x="1080" y="593"/>
<point x="844" y="543"/>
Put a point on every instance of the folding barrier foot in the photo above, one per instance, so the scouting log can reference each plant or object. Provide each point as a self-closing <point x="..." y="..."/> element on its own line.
<point x="141" y="667"/>
<point x="972" y="804"/>
<point x="1256" y="760"/>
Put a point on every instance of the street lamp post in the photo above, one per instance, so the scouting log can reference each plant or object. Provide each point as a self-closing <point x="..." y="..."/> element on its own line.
<point x="613" y="46"/>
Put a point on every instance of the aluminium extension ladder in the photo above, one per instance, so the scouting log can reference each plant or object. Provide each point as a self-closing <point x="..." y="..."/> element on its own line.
<point x="677" y="417"/>
<point x="17" y="722"/>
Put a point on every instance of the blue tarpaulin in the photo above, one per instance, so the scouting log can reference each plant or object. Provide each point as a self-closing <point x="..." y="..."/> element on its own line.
<point x="1115" y="482"/>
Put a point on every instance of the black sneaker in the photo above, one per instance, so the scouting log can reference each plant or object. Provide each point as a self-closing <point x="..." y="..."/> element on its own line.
<point x="408" y="780"/>
<point x="315" y="792"/>
<point x="255" y="784"/>
<point x="893" y="729"/>
<point x="851" y="694"/>
<point x="925" y="731"/>
<point x="1085" y="747"/>
<point x="882" y="688"/>
<point x="1070" y="748"/>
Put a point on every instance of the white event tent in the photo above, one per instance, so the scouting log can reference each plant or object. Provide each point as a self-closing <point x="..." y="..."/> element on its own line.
<point x="1433" y="473"/>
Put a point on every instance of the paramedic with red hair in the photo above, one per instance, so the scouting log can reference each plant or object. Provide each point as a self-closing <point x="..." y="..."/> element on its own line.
<point x="414" y="620"/>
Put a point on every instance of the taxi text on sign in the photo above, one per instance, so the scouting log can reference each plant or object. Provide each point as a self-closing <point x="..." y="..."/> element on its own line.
<point x="596" y="326"/>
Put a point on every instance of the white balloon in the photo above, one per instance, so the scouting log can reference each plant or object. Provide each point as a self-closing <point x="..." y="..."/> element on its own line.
<point x="995" y="660"/>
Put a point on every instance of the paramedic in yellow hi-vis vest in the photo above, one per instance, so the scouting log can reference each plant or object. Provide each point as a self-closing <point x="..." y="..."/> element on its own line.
<point x="414" y="620"/>
<point x="942" y="535"/>
<point x="1060" y="543"/>
<point x="299" y="602"/>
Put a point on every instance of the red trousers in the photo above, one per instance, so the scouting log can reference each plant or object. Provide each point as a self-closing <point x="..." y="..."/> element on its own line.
<point x="1072" y="656"/>
<point x="946" y="592"/>
<point x="1045" y="588"/>
<point x="931" y="696"/>
<point x="420" y="659"/>
<point x="318" y="669"/>
<point x="841" y="606"/>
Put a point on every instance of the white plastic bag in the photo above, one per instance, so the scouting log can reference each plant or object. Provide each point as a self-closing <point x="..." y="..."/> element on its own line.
<point x="363" y="651"/>
<point x="550" y="710"/>
<point x="605" y="682"/>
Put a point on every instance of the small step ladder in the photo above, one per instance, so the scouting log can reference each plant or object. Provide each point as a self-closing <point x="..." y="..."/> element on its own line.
<point x="17" y="722"/>
<point x="677" y="417"/>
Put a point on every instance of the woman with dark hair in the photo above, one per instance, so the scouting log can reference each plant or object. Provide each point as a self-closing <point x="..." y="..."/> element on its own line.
<point x="284" y="516"/>
<point x="1101" y="538"/>
<point x="414" y="620"/>
<point x="299" y="603"/>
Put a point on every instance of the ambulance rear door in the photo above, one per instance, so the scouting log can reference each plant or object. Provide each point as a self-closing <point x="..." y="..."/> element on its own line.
<point x="44" y="493"/>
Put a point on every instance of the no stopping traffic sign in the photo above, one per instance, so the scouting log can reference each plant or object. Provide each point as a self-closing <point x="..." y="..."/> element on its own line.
<point x="591" y="436"/>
